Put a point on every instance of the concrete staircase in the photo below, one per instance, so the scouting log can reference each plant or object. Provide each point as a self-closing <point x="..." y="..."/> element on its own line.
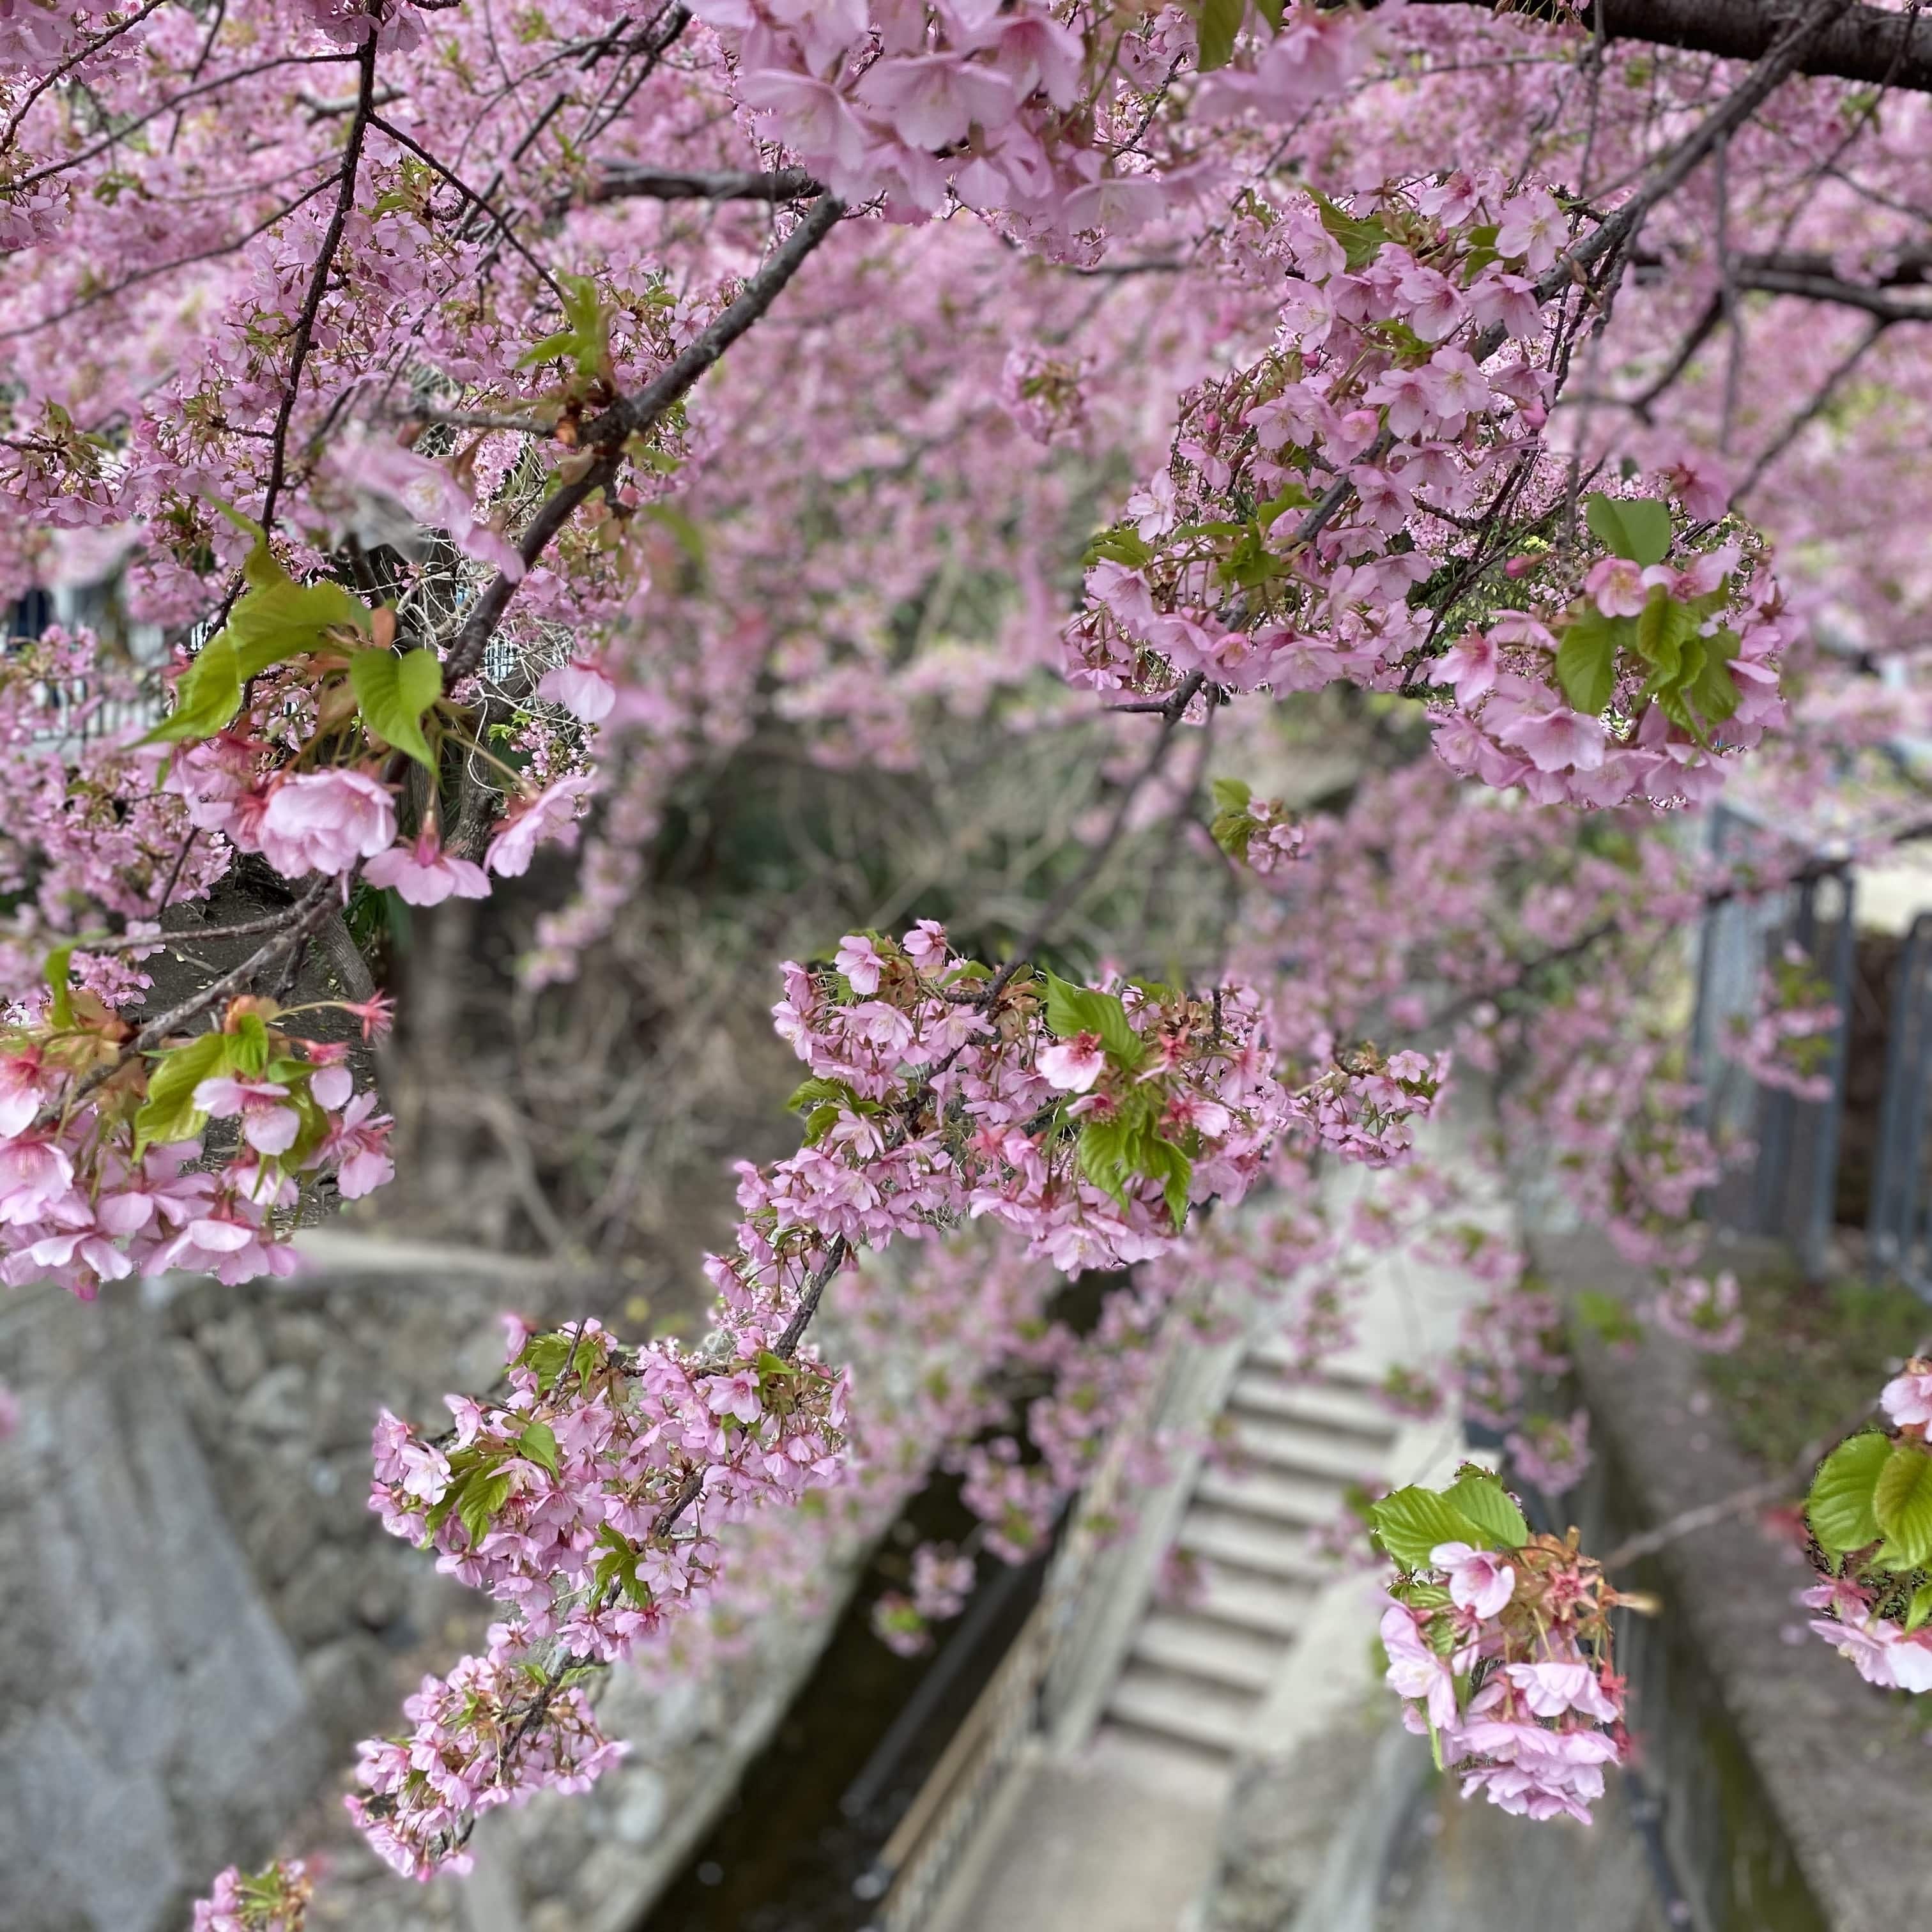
<point x="1195" y="1673"/>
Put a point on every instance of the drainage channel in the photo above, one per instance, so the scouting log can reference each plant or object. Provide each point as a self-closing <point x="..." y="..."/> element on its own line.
<point x="791" y="1852"/>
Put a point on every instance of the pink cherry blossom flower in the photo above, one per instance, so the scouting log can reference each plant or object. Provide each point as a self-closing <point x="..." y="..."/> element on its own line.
<point x="422" y="873"/>
<point x="735" y="1394"/>
<point x="860" y="961"/>
<point x="23" y="1089"/>
<point x="1558" y="740"/>
<point x="1550" y="1689"/>
<point x="324" y="821"/>
<point x="552" y="814"/>
<point x="269" y="1124"/>
<point x="1617" y="584"/>
<point x="581" y="687"/>
<point x="359" y="1144"/>
<point x="1072" y="1065"/>
<point x="1415" y="1670"/>
<point x="1479" y="1579"/>
<point x="1907" y="1398"/>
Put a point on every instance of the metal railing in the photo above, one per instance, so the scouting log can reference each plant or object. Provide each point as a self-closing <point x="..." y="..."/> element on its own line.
<point x="1899" y="1230"/>
<point x="924" y="1853"/>
<point x="1788" y="1190"/>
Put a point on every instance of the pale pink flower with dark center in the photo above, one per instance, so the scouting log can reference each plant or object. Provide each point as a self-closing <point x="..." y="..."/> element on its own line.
<point x="932" y="99"/>
<point x="1479" y="1579"/>
<point x="1072" y="1065"/>
<point x="735" y="1394"/>
<point x="269" y="1124"/>
<point x="1617" y="584"/>
<point x="22" y="1091"/>
<point x="1415" y="1670"/>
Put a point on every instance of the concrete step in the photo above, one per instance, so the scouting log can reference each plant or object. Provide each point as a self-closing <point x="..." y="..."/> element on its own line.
<point x="1189" y="1707"/>
<point x="1269" y="1606"/>
<point x="1277" y="1354"/>
<point x="1244" y="1542"/>
<point x="1181" y="1774"/>
<point x="1261" y="1390"/>
<point x="1202" y="1647"/>
<point x="1297" y="1446"/>
<point x="1257" y="1490"/>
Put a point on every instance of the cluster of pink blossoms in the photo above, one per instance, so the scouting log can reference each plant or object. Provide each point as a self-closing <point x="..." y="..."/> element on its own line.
<point x="1789" y="1040"/>
<point x="588" y="1499"/>
<point x="1500" y="1648"/>
<point x="1366" y="1107"/>
<point x="340" y="820"/>
<point x="1309" y="495"/>
<point x="1702" y="1310"/>
<point x="473" y="1749"/>
<point x="108" y="1167"/>
<point x="1087" y="1120"/>
<point x="1015" y="111"/>
<point x="275" y="1900"/>
<point x="1874" y="1543"/>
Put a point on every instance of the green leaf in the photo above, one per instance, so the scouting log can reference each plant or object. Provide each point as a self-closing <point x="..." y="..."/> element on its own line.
<point x="1663" y="629"/>
<point x="483" y="1496"/>
<point x="56" y="970"/>
<point x="1362" y="239"/>
<point x="1586" y="659"/>
<point x="816" y="1092"/>
<point x="1410" y="1523"/>
<point x="585" y="339"/>
<point x="1481" y="1497"/>
<point x="1635" y="528"/>
<point x="208" y="694"/>
<point x="169" y="1114"/>
<point x="1161" y="1160"/>
<point x="1920" y="1608"/>
<point x="274" y="618"/>
<point x="1220" y="22"/>
<point x="1072" y="1009"/>
<point x="1122" y="543"/>
<point x="537" y="1443"/>
<point x="1607" y="1317"/>
<point x="1231" y="795"/>
<point x="1902" y="1502"/>
<point x="1270" y="10"/>
<point x="1712" y="692"/>
<point x="1839" y="1507"/>
<point x="394" y="692"/>
<point x="1107" y="1152"/>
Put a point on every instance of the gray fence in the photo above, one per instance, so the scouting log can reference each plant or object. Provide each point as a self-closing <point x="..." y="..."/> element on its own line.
<point x="1787" y="1189"/>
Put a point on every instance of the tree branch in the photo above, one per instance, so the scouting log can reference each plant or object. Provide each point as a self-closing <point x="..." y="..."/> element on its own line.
<point x="1868" y="44"/>
<point x="618" y="180"/>
<point x="608" y="433"/>
<point x="324" y="262"/>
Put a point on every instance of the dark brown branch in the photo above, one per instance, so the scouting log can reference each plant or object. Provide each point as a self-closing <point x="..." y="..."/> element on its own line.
<point x="297" y="923"/>
<point x="1866" y="44"/>
<point x="325" y="264"/>
<point x="606" y="435"/>
<point x="618" y="182"/>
